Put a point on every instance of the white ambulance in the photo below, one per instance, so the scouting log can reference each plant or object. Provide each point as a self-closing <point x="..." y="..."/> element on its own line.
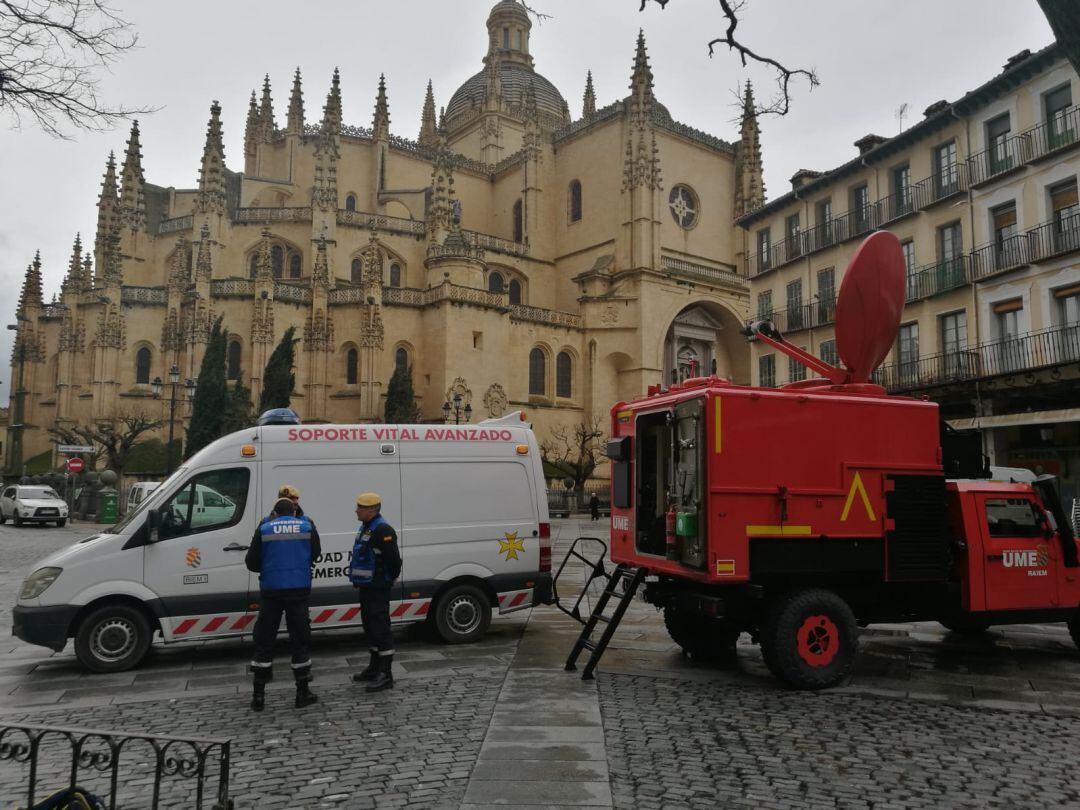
<point x="468" y="503"/>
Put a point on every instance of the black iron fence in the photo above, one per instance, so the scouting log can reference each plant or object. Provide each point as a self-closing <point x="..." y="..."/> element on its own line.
<point x="997" y="257"/>
<point x="934" y="279"/>
<point x="564" y="502"/>
<point x="1001" y="158"/>
<point x="799" y="316"/>
<point x="1060" y="131"/>
<point x="1055" y="238"/>
<point x="96" y="755"/>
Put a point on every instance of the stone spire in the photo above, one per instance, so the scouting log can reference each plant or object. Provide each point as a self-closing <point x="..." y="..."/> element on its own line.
<point x="440" y="214"/>
<point x="266" y="114"/>
<point x="429" y="135"/>
<point x="531" y="139"/>
<point x="108" y="207"/>
<point x="264" y="269"/>
<point x="178" y="264"/>
<point x="641" y="82"/>
<point x="30" y="296"/>
<point x="324" y="191"/>
<point x="73" y="283"/>
<point x="88" y="272"/>
<point x="332" y="110"/>
<point x="203" y="263"/>
<point x="642" y="156"/>
<point x="320" y="273"/>
<point x="251" y="134"/>
<point x="493" y="91"/>
<point x="294" y="125"/>
<point x="211" y="197"/>
<point x="132" y="194"/>
<point x="588" y="108"/>
<point x="749" y="176"/>
<point x="380" y="126"/>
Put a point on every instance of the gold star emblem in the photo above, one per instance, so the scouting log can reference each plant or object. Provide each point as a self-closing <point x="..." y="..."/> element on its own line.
<point x="511" y="546"/>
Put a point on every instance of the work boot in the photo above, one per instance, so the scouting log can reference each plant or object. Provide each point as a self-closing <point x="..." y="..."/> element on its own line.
<point x="372" y="668"/>
<point x="383" y="678"/>
<point x="258" y="697"/>
<point x="304" y="695"/>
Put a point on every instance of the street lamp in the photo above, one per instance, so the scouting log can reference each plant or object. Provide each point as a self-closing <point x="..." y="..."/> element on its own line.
<point x="156" y="387"/>
<point x="457" y="409"/>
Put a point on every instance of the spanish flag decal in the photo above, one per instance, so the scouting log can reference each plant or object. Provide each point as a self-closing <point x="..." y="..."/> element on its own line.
<point x="725" y="568"/>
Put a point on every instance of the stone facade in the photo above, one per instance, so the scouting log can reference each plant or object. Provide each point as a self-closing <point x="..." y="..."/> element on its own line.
<point x="510" y="253"/>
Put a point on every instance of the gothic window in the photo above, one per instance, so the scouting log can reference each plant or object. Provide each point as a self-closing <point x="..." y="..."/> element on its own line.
<point x="232" y="361"/>
<point x="683" y="203"/>
<point x="142" y="366"/>
<point x="294" y="266"/>
<point x="537" y="372"/>
<point x="563" y="375"/>
<point x="350" y="203"/>
<point x="395" y="275"/>
<point x="519" y="222"/>
<point x="495" y="282"/>
<point x="350" y="367"/>
<point x="277" y="260"/>
<point x="575" y="201"/>
<point x="515" y="291"/>
<point x="401" y="359"/>
<point x="254" y="265"/>
<point x="357" y="271"/>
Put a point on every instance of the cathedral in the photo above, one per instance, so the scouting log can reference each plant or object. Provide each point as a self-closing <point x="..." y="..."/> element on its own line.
<point x="513" y="255"/>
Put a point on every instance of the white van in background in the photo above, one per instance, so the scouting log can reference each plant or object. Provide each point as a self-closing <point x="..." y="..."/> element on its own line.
<point x="138" y="493"/>
<point x="468" y="503"/>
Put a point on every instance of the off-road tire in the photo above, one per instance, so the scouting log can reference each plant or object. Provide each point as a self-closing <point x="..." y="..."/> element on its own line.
<point x="3" y="519"/>
<point x="16" y="520"/>
<point x="809" y="639"/>
<point x="703" y="638"/>
<point x="113" y="638"/>
<point x="61" y="523"/>
<point x="1074" y="628"/>
<point x="461" y="614"/>
<point x="965" y="625"/>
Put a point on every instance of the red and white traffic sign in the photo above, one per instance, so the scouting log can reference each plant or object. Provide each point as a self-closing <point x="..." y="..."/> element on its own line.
<point x="75" y="465"/>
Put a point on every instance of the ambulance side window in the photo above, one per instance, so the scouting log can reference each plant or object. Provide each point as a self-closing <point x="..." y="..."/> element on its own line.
<point x="1012" y="517"/>
<point x="208" y="501"/>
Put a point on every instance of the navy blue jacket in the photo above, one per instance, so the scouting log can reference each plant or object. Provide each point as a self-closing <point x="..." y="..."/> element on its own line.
<point x="282" y="552"/>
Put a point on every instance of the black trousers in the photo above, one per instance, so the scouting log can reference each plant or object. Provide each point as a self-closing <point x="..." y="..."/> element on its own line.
<point x="375" y="616"/>
<point x="298" y="623"/>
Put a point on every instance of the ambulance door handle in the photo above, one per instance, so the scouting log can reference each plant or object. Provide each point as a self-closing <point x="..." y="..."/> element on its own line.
<point x="235" y="547"/>
<point x="387" y="449"/>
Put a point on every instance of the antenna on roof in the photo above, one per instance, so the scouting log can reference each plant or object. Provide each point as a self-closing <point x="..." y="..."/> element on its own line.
<point x="900" y="113"/>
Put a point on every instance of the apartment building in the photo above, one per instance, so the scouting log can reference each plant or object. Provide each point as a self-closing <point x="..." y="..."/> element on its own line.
<point x="982" y="193"/>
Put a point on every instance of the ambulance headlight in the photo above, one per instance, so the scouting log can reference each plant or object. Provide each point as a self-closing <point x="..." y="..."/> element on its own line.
<point x="38" y="581"/>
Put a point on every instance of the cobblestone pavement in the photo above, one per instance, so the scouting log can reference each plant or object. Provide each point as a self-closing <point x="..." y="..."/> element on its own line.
<point x="929" y="719"/>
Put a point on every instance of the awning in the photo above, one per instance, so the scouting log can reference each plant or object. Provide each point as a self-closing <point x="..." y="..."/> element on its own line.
<point x="1017" y="419"/>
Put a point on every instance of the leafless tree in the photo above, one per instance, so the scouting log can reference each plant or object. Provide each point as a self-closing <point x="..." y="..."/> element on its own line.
<point x="51" y="52"/>
<point x="574" y="452"/>
<point x="112" y="441"/>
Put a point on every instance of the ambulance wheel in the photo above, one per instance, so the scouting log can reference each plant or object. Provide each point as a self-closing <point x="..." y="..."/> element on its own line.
<point x="461" y="614"/>
<point x="702" y="638"/>
<point x="113" y="638"/>
<point x="965" y="625"/>
<point x="809" y="639"/>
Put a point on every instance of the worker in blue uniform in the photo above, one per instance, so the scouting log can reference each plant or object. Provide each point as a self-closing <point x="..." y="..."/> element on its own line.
<point x="375" y="564"/>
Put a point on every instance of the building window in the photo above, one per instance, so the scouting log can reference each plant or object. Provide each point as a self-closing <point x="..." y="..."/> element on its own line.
<point x="356" y="272"/>
<point x="764" y="249"/>
<point x="395" y="275"/>
<point x="1056" y="104"/>
<point x="537" y="372"/>
<point x="519" y="222"/>
<point x="1009" y="349"/>
<point x="796" y="370"/>
<point x="253" y="265"/>
<point x="954" y="342"/>
<point x="828" y="353"/>
<point x="277" y="260"/>
<point x="294" y="266"/>
<point x="1006" y="236"/>
<point x="1068" y="304"/>
<point x="515" y="291"/>
<point x="683" y="203"/>
<point x="901" y="191"/>
<point x="860" y="206"/>
<point x="575" y="201"/>
<point x="997" y="142"/>
<point x="1066" y="227"/>
<point x="506" y="39"/>
<point x="142" y="366"/>
<point x="351" y="359"/>
<point x="908" y="351"/>
<point x="824" y="224"/>
<point x="767" y="371"/>
<point x="496" y="283"/>
<point x="950" y="269"/>
<point x="794" y="304"/>
<point x="791" y="233"/>
<point x="232" y="361"/>
<point x="350" y="203"/>
<point x="764" y="305"/>
<point x="826" y="295"/>
<point x="946" y="172"/>
<point x="401" y="359"/>
<point x="563" y="370"/>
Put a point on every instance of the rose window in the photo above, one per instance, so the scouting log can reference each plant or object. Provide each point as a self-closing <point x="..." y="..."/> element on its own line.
<point x="684" y="206"/>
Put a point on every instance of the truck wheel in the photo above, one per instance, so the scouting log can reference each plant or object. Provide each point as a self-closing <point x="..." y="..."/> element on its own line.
<point x="1074" y="629"/>
<point x="461" y="614"/>
<point x="113" y="638"/>
<point x="965" y="625"/>
<point x="809" y="639"/>
<point x="703" y="638"/>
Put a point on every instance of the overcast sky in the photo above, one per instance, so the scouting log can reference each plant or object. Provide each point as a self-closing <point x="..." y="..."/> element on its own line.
<point x="871" y="56"/>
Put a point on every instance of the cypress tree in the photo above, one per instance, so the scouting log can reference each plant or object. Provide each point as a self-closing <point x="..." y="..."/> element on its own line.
<point x="239" y="411"/>
<point x="278" y="379"/>
<point x="400" y="403"/>
<point x="211" y="405"/>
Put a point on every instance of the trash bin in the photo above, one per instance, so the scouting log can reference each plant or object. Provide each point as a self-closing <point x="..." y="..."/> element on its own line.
<point x="108" y="503"/>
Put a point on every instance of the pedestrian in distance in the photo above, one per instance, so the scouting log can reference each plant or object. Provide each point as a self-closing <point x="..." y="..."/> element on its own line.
<point x="375" y="564"/>
<point x="282" y="552"/>
<point x="594" y="506"/>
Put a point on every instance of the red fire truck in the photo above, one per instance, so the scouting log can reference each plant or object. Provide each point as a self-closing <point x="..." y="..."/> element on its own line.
<point x="801" y="513"/>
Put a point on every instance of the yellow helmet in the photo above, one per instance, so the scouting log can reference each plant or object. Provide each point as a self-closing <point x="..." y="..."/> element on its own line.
<point x="368" y="499"/>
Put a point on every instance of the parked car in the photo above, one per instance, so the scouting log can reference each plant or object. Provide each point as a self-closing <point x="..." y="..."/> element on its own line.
<point x="138" y="492"/>
<point x="32" y="504"/>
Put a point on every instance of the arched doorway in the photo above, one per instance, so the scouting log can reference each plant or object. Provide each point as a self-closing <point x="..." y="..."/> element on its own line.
<point x="691" y="345"/>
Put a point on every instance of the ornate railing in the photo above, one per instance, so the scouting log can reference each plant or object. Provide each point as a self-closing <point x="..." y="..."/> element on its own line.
<point x="460" y="250"/>
<point x="93" y="752"/>
<point x="999" y="159"/>
<point x="715" y="275"/>
<point x="256" y="215"/>
<point x="144" y="295"/>
<point x="508" y="161"/>
<point x="934" y="279"/>
<point x="448" y="291"/>
<point x="603" y="114"/>
<point x="380" y="222"/>
<point x="520" y="312"/>
<point x="1054" y="238"/>
<point x="941" y="185"/>
<point x="998" y="257"/>
<point x="693" y="134"/>
<point x="402" y="296"/>
<point x="497" y="244"/>
<point x="175" y="224"/>
<point x="292" y="293"/>
<point x="799" y="316"/>
<point x="1060" y="132"/>
<point x="231" y="287"/>
<point x="53" y="312"/>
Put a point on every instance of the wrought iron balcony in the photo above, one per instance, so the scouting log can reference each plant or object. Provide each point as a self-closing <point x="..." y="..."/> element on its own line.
<point x="801" y="316"/>
<point x="1055" y="238"/>
<point x="998" y="160"/>
<point x="896" y="206"/>
<point x="941" y="185"/>
<point x="999" y="257"/>
<point x="1060" y="132"/>
<point x="1016" y="355"/>
<point x="934" y="279"/>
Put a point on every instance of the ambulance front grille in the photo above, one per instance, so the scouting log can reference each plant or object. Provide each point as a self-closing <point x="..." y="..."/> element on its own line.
<point x="918" y="545"/>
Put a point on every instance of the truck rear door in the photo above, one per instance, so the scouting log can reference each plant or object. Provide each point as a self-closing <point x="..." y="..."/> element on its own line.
<point x="1020" y="562"/>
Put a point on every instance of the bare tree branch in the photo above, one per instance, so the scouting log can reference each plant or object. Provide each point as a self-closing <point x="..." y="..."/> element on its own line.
<point x="781" y="103"/>
<point x="50" y="55"/>
<point x="574" y="453"/>
<point x="113" y="441"/>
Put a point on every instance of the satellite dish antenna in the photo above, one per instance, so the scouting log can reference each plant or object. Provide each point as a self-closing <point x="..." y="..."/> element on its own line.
<point x="868" y="312"/>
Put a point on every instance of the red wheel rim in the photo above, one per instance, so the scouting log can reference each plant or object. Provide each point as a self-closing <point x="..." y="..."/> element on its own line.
<point x="818" y="641"/>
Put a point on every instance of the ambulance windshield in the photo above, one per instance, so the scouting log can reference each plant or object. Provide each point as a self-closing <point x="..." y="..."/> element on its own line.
<point x="149" y="501"/>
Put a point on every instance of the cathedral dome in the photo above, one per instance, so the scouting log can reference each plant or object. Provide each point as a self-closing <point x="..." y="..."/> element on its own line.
<point x="515" y="79"/>
<point x="511" y="8"/>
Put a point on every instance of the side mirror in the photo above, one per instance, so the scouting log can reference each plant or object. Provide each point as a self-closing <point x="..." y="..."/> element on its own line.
<point x="153" y="522"/>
